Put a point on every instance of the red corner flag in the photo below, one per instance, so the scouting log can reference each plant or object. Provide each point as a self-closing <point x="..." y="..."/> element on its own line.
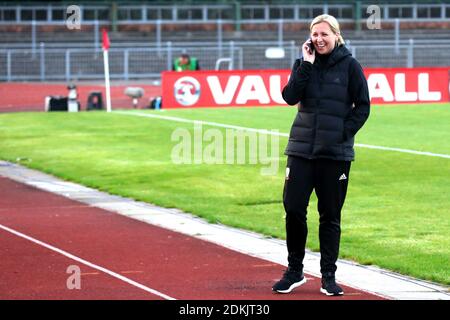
<point x="106" y="43"/>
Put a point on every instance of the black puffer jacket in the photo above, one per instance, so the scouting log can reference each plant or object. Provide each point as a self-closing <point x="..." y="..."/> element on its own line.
<point x="334" y="104"/>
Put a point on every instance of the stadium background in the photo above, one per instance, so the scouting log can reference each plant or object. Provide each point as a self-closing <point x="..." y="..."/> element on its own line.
<point x="146" y="36"/>
<point x="405" y="221"/>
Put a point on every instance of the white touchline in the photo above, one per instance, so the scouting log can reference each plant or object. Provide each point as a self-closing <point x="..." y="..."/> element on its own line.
<point x="214" y="124"/>
<point x="87" y="263"/>
<point x="422" y="153"/>
<point x="280" y="134"/>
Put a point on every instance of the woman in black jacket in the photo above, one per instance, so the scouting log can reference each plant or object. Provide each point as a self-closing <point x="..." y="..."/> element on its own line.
<point x="331" y="90"/>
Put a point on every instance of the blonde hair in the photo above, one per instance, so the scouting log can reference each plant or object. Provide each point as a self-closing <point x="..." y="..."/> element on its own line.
<point x="332" y="22"/>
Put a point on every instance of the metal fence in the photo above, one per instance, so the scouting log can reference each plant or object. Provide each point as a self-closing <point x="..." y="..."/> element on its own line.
<point x="157" y="33"/>
<point x="133" y="62"/>
<point x="125" y="63"/>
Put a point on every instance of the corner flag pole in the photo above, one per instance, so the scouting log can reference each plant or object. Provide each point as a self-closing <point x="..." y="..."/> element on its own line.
<point x="105" y="47"/>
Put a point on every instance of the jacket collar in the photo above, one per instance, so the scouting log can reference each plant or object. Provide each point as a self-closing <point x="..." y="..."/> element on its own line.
<point x="338" y="53"/>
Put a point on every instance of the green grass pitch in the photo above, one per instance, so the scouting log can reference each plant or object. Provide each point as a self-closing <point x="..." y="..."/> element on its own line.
<point x="397" y="211"/>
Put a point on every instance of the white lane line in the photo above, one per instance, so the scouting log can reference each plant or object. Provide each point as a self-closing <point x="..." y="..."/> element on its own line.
<point x="422" y="153"/>
<point x="276" y="133"/>
<point x="214" y="124"/>
<point x="87" y="263"/>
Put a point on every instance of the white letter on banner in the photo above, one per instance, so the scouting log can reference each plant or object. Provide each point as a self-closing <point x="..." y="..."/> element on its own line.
<point x="253" y="88"/>
<point x="223" y="96"/>
<point x="275" y="89"/>
<point x="379" y="87"/>
<point x="400" y="89"/>
<point x="424" y="89"/>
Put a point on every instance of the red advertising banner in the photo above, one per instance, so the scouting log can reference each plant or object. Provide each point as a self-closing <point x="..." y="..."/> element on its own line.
<point x="408" y="85"/>
<point x="263" y="87"/>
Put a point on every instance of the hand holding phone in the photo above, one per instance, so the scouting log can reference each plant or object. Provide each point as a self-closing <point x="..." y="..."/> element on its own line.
<point x="308" y="51"/>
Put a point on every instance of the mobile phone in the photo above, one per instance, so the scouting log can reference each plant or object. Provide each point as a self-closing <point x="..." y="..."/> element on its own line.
<point x="311" y="46"/>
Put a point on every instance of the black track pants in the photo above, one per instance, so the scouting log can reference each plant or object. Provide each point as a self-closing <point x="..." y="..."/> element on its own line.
<point x="329" y="179"/>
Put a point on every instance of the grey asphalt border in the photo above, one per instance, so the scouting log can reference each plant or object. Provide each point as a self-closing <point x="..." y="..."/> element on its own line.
<point x="371" y="279"/>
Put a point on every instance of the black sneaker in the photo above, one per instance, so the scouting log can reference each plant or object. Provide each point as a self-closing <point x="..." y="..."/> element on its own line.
<point x="291" y="280"/>
<point x="329" y="286"/>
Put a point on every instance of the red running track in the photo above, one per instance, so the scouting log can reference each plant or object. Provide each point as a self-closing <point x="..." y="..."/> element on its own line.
<point x="174" y="264"/>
